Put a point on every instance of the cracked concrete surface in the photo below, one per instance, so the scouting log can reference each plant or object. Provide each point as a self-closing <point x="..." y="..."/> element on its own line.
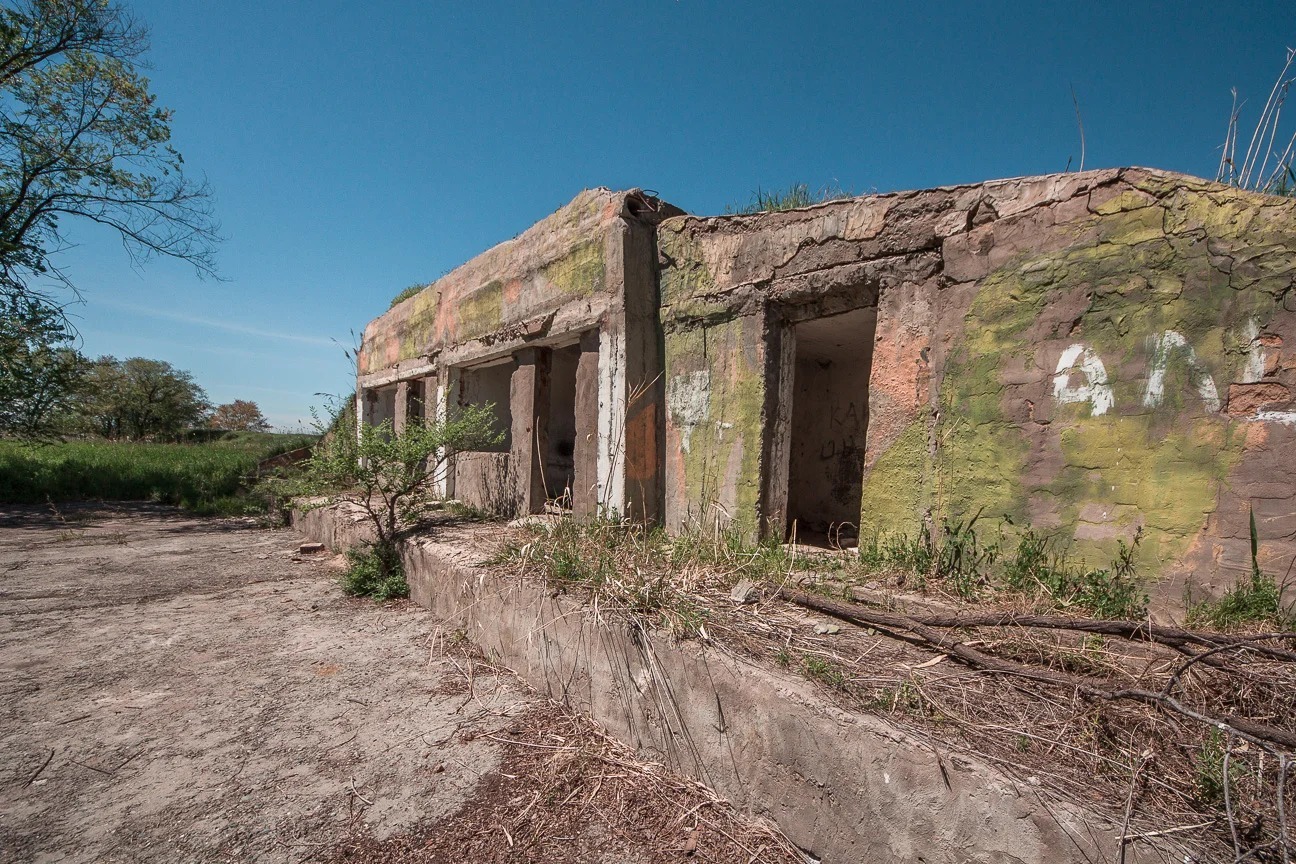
<point x="179" y="689"/>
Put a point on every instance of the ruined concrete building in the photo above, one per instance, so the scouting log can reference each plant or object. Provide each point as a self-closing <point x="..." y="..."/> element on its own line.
<point x="1092" y="355"/>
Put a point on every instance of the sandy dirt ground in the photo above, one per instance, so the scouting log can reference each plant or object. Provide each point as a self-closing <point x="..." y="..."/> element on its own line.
<point x="180" y="689"/>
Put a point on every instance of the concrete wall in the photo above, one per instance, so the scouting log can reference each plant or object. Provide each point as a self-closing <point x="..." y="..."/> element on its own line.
<point x="590" y="268"/>
<point x="1087" y="353"/>
<point x="845" y="787"/>
<point x="482" y="480"/>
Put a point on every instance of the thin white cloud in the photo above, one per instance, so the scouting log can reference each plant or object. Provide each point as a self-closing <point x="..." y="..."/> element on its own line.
<point x="220" y="325"/>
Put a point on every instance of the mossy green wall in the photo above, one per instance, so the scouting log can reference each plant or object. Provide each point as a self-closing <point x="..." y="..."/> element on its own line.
<point x="1140" y="267"/>
<point x="715" y="390"/>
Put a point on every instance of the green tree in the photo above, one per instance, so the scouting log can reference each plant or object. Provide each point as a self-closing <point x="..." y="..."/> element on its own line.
<point x="139" y="398"/>
<point x="391" y="477"/>
<point x="82" y="136"/>
<point x="82" y="140"/>
<point x="40" y="371"/>
<point x="239" y="416"/>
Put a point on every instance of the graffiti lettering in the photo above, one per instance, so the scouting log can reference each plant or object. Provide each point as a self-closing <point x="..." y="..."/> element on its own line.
<point x="1167" y="349"/>
<point x="1171" y="345"/>
<point x="1096" y="391"/>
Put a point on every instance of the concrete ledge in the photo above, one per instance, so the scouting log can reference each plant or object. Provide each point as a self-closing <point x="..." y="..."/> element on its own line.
<point x="843" y="786"/>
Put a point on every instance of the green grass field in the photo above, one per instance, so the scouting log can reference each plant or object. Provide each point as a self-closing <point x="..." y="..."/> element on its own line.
<point x="210" y="478"/>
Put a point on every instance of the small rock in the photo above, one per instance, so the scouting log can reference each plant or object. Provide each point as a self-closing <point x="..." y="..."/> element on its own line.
<point x="262" y="557"/>
<point x="745" y="591"/>
<point x="307" y="548"/>
<point x="827" y="629"/>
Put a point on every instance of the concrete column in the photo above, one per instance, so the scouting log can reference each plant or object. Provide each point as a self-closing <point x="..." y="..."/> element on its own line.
<point x="529" y="404"/>
<point x="443" y="391"/>
<point x="631" y="390"/>
<point x="402" y="406"/>
<point x="585" y="498"/>
<point x="780" y="378"/>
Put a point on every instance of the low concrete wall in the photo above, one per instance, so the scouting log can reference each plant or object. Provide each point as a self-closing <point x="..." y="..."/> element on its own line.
<point x="482" y="481"/>
<point x="845" y="787"/>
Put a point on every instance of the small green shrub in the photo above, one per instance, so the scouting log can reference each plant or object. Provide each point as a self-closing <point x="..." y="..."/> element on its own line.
<point x="1255" y="600"/>
<point x="1209" y="769"/>
<point x="823" y="671"/>
<point x="407" y="293"/>
<point x="376" y="571"/>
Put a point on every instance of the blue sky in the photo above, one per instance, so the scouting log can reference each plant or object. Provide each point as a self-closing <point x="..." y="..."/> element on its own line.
<point x="357" y="148"/>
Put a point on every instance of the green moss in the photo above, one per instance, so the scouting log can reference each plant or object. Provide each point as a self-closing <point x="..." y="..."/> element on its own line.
<point x="722" y="463"/>
<point x="580" y="272"/>
<point x="897" y="491"/>
<point x="1167" y="479"/>
<point x="480" y="312"/>
<point x="687" y="277"/>
<point x="1162" y="468"/>
<point x="419" y="330"/>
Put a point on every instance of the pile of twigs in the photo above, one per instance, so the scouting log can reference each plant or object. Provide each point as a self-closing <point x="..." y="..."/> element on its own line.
<point x="1184" y="737"/>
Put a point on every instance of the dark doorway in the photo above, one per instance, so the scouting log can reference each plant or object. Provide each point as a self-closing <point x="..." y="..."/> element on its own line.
<point x="829" y="419"/>
<point x="560" y="458"/>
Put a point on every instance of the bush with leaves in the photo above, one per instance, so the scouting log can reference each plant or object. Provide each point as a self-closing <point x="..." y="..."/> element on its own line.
<point x="391" y="476"/>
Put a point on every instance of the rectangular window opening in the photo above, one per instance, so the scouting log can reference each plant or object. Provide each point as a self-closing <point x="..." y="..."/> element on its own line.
<point x="489" y="385"/>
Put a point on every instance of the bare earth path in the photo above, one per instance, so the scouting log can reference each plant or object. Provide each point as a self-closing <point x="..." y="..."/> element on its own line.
<point x="180" y="689"/>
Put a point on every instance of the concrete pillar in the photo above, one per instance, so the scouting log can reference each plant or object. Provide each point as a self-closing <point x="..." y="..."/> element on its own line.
<point x="529" y="403"/>
<point x="402" y="406"/>
<point x="446" y="390"/>
<point x="585" y="497"/>
<point x="631" y="389"/>
<point x="780" y="378"/>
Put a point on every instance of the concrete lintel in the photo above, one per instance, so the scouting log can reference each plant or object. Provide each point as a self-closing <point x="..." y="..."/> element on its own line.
<point x="403" y="371"/>
<point x="566" y="326"/>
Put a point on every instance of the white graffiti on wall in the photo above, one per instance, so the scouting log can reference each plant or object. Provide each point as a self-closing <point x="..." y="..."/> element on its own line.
<point x="1169" y="347"/>
<point x="1172" y="343"/>
<point x="1096" y="391"/>
<point x="688" y="400"/>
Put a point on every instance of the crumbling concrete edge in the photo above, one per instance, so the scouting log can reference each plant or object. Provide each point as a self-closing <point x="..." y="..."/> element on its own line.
<point x="844" y="787"/>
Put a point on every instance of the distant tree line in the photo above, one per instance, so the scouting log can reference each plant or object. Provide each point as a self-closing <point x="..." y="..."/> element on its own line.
<point x="136" y="398"/>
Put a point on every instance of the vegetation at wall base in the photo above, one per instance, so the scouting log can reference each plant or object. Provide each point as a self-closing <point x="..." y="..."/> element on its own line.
<point x="1255" y="600"/>
<point x="639" y="563"/>
<point x="215" y="478"/>
<point x="1031" y="567"/>
<point x="375" y="570"/>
